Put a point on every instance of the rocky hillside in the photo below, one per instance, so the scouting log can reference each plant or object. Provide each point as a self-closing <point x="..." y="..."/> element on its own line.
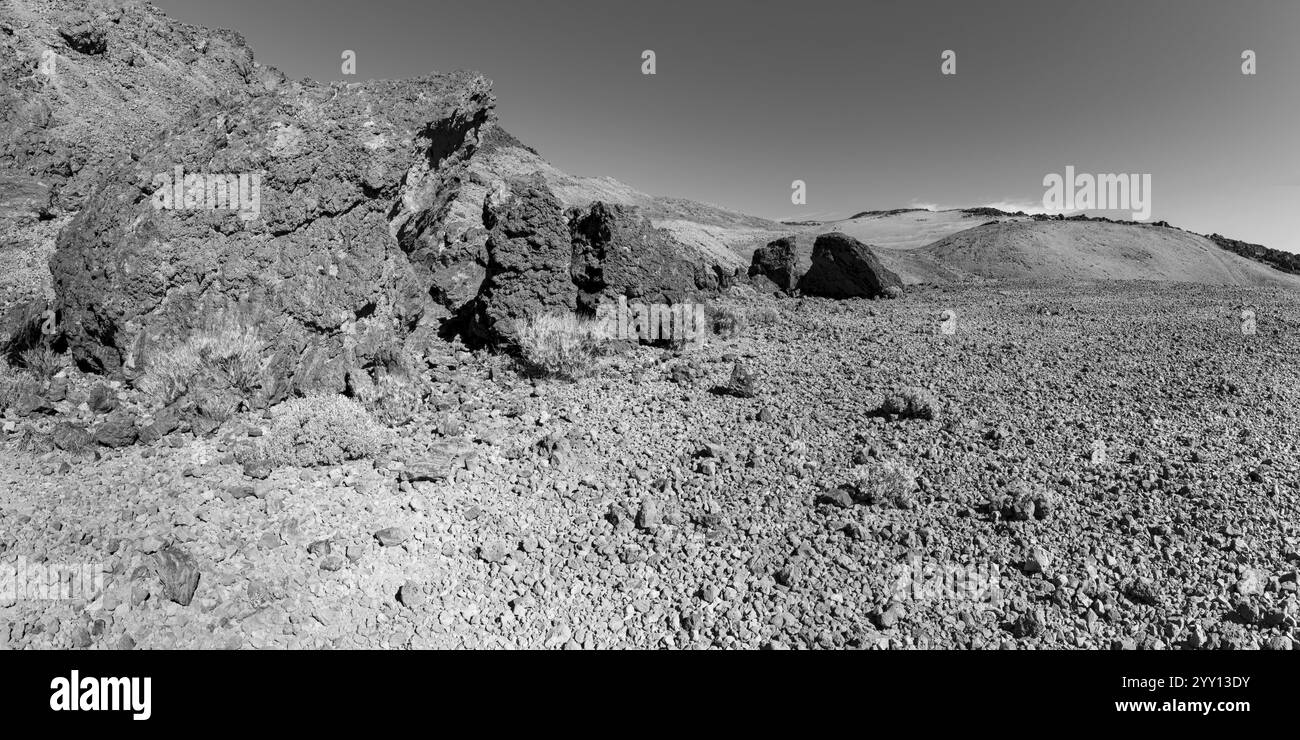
<point x="1081" y="250"/>
<point x="369" y="236"/>
<point x="82" y="87"/>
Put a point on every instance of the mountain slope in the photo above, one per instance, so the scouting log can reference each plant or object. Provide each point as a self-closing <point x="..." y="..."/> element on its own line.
<point x="1084" y="250"/>
<point x="905" y="229"/>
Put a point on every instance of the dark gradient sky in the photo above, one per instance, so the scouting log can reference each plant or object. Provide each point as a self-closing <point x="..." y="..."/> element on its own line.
<point x="847" y="96"/>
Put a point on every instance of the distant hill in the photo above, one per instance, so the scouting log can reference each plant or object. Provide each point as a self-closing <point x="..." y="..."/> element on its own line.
<point x="1089" y="249"/>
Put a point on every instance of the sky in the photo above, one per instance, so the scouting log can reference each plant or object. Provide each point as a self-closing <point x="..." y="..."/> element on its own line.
<point x="751" y="95"/>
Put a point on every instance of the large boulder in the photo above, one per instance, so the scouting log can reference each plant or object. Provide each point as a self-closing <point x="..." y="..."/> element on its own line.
<point x="529" y="259"/>
<point x="843" y="267"/>
<point x="309" y="257"/>
<point x="782" y="262"/>
<point x="616" y="252"/>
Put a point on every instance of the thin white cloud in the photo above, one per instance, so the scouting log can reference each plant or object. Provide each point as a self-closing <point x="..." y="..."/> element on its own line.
<point x="1010" y="205"/>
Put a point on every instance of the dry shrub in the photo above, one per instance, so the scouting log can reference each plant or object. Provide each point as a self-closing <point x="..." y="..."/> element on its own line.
<point x="563" y="345"/>
<point x="14" y="384"/>
<point x="765" y="316"/>
<point x="1022" y="501"/>
<point x="217" y="360"/>
<point x="725" y="321"/>
<point x="393" y="399"/>
<point x="887" y="483"/>
<point x="322" y="430"/>
<point x="42" y="361"/>
<point x="33" y="440"/>
<point x="911" y="403"/>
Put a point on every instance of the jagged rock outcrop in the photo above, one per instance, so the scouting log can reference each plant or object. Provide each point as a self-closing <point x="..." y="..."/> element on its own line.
<point x="308" y="257"/>
<point x="542" y="259"/>
<point x="82" y="86"/>
<point x="529" y="269"/>
<point x="617" y="252"/>
<point x="362" y="227"/>
<point x="843" y="267"/>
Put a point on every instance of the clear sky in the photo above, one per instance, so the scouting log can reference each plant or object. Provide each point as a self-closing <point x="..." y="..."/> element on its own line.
<point x="848" y="96"/>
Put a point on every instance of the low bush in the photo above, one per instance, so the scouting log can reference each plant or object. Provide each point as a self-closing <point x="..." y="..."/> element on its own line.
<point x="42" y="361"/>
<point x="225" y="357"/>
<point x="321" y="430"/>
<point x="562" y="345"/>
<point x="886" y="483"/>
<point x="14" y="384"/>
<point x="911" y="403"/>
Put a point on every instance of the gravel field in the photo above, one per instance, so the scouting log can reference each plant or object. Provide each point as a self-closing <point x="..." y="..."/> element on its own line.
<point x="1100" y="465"/>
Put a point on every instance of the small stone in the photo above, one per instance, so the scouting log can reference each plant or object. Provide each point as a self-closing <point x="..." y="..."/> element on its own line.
<point x="331" y="563"/>
<point x="1252" y="582"/>
<point x="1039" y="560"/>
<point x="242" y="490"/>
<point x="1143" y="591"/>
<point x="742" y="383"/>
<point x="319" y="548"/>
<point x="839" y="498"/>
<point x="889" y="616"/>
<point x="179" y="575"/>
<point x="355" y="552"/>
<point x="493" y="552"/>
<point x="258" y="469"/>
<point x="393" y="536"/>
<point x="411" y="595"/>
<point x="648" y="517"/>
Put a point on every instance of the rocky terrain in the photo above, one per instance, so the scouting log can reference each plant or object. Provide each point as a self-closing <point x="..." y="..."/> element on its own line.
<point x="639" y="507"/>
<point x="343" y="420"/>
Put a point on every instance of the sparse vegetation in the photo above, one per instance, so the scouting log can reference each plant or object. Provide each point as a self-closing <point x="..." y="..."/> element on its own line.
<point x="765" y="316"/>
<point x="225" y="357"/>
<point x="1021" y="501"/>
<point x="14" y="384"/>
<point x="726" y="321"/>
<point x="393" y="392"/>
<point x="911" y="403"/>
<point x="561" y="345"/>
<point x="42" y="361"/>
<point x="887" y="483"/>
<point x="322" y="430"/>
<point x="33" y="440"/>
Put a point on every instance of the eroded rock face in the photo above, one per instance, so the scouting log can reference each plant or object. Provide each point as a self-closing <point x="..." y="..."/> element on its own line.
<point x="529" y="259"/>
<point x="617" y="252"/>
<point x="542" y="259"/>
<point x="82" y="85"/>
<point x="317" y="256"/>
<point x="781" y="262"/>
<point x="843" y="267"/>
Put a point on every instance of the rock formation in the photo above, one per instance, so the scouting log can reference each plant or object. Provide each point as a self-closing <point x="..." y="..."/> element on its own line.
<point x="843" y="267"/>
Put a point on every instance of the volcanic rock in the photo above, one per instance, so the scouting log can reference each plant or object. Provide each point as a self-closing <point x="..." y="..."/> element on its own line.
<point x="843" y="267"/>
